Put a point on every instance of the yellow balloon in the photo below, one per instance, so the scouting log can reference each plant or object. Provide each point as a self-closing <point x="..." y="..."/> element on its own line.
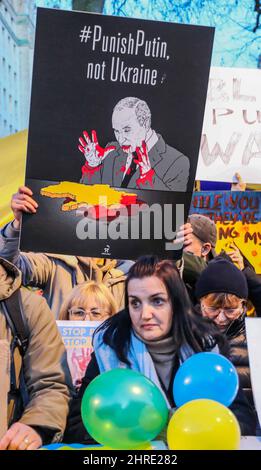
<point x="203" y="425"/>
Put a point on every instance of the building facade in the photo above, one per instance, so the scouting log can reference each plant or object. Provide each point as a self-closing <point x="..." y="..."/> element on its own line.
<point x="17" y="26"/>
<point x="17" y="30"/>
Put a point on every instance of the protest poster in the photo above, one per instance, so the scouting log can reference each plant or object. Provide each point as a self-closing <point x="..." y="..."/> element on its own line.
<point x="77" y="338"/>
<point x="237" y="215"/>
<point x="231" y="137"/>
<point x="116" y="118"/>
<point x="253" y="332"/>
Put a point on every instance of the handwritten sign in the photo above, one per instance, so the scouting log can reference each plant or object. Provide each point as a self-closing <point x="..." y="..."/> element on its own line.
<point x="231" y="138"/>
<point x="238" y="219"/>
<point x="77" y="338"/>
<point x="253" y="330"/>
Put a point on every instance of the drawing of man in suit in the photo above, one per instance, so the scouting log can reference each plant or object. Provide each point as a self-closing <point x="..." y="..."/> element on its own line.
<point x="139" y="159"/>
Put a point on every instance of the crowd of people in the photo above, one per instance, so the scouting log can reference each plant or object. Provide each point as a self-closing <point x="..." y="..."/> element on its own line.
<point x="154" y="315"/>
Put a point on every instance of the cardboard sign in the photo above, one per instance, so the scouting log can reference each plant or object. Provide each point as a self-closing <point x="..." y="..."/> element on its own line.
<point x="115" y="125"/>
<point x="231" y="138"/>
<point x="237" y="215"/>
<point x="77" y="338"/>
<point x="253" y="331"/>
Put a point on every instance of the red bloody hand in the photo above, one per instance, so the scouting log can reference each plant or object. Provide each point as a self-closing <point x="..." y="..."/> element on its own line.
<point x="146" y="172"/>
<point x="126" y="148"/>
<point x="141" y="181"/>
<point x="92" y="151"/>
<point x="143" y="159"/>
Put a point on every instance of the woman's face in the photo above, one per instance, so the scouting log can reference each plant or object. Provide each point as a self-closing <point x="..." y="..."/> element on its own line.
<point x="224" y="314"/>
<point x="92" y="311"/>
<point x="150" y="308"/>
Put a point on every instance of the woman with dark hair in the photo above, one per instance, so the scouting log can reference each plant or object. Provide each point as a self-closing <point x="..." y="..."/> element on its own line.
<point x="157" y="331"/>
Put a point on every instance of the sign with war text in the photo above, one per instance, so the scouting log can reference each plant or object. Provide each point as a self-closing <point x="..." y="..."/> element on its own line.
<point x="231" y="138"/>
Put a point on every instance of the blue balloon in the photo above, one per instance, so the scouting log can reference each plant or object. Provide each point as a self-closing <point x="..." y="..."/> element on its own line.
<point x="206" y="375"/>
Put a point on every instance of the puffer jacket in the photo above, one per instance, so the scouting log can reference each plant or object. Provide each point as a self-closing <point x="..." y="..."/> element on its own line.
<point x="45" y="370"/>
<point x="236" y="335"/>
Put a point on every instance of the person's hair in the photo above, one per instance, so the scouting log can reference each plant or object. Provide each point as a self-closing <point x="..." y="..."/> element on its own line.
<point x="80" y="295"/>
<point x="142" y="111"/>
<point x="220" y="298"/>
<point x="187" y="326"/>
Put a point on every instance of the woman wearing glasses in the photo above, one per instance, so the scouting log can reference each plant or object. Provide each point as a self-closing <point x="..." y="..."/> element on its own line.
<point x="222" y="292"/>
<point x="90" y="301"/>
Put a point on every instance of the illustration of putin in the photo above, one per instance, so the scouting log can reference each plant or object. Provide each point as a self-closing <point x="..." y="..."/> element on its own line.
<point x="139" y="159"/>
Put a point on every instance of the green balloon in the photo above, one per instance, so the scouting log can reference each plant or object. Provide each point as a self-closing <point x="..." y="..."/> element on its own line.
<point x="123" y="409"/>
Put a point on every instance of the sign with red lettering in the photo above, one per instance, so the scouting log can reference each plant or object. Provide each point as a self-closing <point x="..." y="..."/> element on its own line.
<point x="77" y="338"/>
<point x="237" y="217"/>
<point x="231" y="138"/>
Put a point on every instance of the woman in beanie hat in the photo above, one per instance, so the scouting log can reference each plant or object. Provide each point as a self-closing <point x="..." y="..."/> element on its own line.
<point x="222" y="292"/>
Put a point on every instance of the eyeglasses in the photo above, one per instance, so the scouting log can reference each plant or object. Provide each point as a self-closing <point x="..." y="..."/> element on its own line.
<point x="81" y="314"/>
<point x="213" y="312"/>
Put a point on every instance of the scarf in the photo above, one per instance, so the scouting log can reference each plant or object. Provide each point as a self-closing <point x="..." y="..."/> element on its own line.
<point x="138" y="356"/>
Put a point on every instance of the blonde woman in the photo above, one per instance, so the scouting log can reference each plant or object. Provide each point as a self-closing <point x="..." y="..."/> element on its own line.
<point x="90" y="301"/>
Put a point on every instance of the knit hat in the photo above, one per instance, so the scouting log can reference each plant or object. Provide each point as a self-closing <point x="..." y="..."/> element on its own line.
<point x="221" y="275"/>
<point x="204" y="229"/>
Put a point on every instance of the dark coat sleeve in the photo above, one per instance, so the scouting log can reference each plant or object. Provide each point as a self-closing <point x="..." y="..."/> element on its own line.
<point x="192" y="269"/>
<point x="254" y="288"/>
<point x="244" y="414"/>
<point x="75" y="431"/>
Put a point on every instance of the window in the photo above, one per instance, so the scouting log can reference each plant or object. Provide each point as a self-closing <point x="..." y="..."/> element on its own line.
<point x="10" y="102"/>
<point x="15" y="109"/>
<point x="4" y="96"/>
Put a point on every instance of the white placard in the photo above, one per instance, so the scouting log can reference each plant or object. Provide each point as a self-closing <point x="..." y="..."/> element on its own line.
<point x="250" y="443"/>
<point x="77" y="338"/>
<point x="253" y="331"/>
<point x="231" y="136"/>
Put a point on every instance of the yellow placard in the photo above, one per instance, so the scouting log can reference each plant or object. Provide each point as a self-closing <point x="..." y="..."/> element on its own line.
<point x="246" y="237"/>
<point x="12" y="170"/>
